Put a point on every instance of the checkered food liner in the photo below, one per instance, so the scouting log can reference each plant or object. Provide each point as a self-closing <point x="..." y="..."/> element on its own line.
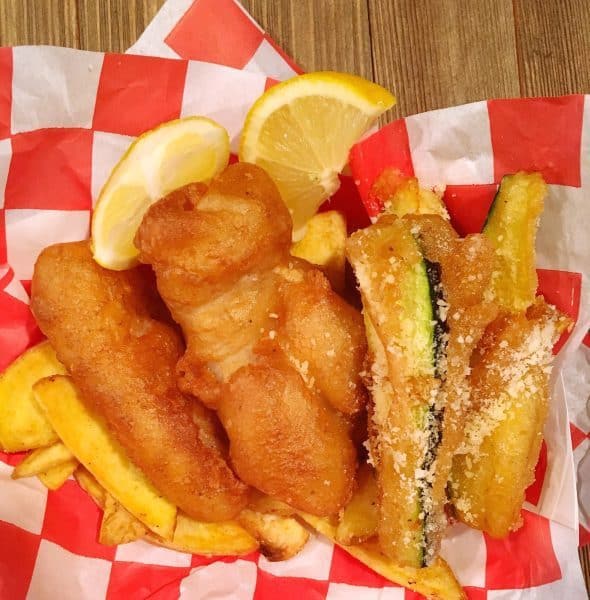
<point x="67" y="116"/>
<point x="549" y="139"/>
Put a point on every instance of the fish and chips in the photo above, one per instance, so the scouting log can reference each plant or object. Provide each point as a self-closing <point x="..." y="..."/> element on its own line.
<point x="224" y="397"/>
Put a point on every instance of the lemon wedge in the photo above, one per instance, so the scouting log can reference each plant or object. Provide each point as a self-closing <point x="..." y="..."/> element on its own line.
<point x="301" y="131"/>
<point x="157" y="162"/>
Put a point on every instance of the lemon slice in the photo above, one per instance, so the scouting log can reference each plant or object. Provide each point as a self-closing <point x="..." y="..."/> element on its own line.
<point x="300" y="131"/>
<point x="157" y="162"/>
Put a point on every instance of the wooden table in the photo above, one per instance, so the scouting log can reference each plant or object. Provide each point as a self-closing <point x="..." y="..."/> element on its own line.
<point x="430" y="53"/>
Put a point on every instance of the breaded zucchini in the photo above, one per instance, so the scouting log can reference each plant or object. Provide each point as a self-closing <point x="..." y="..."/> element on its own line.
<point x="511" y="226"/>
<point x="399" y="292"/>
<point x="505" y="430"/>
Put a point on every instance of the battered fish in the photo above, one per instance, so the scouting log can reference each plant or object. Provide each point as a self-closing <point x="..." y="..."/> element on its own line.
<point x="269" y="344"/>
<point x="102" y="326"/>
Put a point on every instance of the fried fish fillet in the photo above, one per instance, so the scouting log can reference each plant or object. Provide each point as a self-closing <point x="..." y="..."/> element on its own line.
<point x="285" y="439"/>
<point x="269" y="344"/>
<point x="104" y="327"/>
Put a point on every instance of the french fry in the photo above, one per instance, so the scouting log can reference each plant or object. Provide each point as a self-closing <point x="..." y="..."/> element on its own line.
<point x="118" y="526"/>
<point x="360" y="516"/>
<point x="23" y="425"/>
<point x="89" y="440"/>
<point x="222" y="539"/>
<point x="55" y="477"/>
<point x="262" y="503"/>
<point x="436" y="581"/>
<point x="323" y="246"/>
<point x="88" y="483"/>
<point x="402" y="195"/>
<point x="280" y="537"/>
<point x="211" y="539"/>
<point x="43" y="459"/>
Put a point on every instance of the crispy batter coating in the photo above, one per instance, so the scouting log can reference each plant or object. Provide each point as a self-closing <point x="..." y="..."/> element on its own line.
<point x="320" y="328"/>
<point x="101" y="324"/>
<point x="213" y="255"/>
<point x="223" y="267"/>
<point x="278" y="425"/>
<point x="384" y="257"/>
<point x="466" y="270"/>
<point x="504" y="429"/>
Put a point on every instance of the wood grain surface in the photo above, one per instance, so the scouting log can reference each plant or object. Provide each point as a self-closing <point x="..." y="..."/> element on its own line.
<point x="430" y="53"/>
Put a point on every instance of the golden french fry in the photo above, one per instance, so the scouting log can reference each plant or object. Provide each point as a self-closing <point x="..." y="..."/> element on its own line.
<point x="88" y="438"/>
<point x="403" y="195"/>
<point x="262" y="503"/>
<point x="280" y="537"/>
<point x="88" y="483"/>
<point x="323" y="246"/>
<point x="55" y="477"/>
<point x="118" y="526"/>
<point x="226" y="538"/>
<point x="23" y="425"/>
<point x="360" y="516"/>
<point x="436" y="581"/>
<point x="42" y="460"/>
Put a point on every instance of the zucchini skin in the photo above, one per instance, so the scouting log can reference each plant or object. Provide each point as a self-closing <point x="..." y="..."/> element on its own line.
<point x="434" y="417"/>
<point x="441" y="329"/>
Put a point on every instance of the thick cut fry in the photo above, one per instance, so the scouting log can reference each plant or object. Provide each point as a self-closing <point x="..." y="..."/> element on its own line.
<point x="360" y="516"/>
<point x="55" y="477"/>
<point x="225" y="538"/>
<point x="400" y="195"/>
<point x="280" y="538"/>
<point x="88" y="438"/>
<point x="265" y="504"/>
<point x="504" y="432"/>
<point x="511" y="227"/>
<point x="118" y="526"/>
<point x="436" y="581"/>
<point x="88" y="483"/>
<point x="323" y="245"/>
<point x="23" y="425"/>
<point x="43" y="459"/>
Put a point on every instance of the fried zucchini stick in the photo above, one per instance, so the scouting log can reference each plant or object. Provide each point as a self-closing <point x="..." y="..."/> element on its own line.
<point x="510" y="369"/>
<point x="423" y="321"/>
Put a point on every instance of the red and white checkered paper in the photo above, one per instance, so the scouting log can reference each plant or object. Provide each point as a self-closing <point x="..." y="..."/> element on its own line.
<point x="67" y="116"/>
